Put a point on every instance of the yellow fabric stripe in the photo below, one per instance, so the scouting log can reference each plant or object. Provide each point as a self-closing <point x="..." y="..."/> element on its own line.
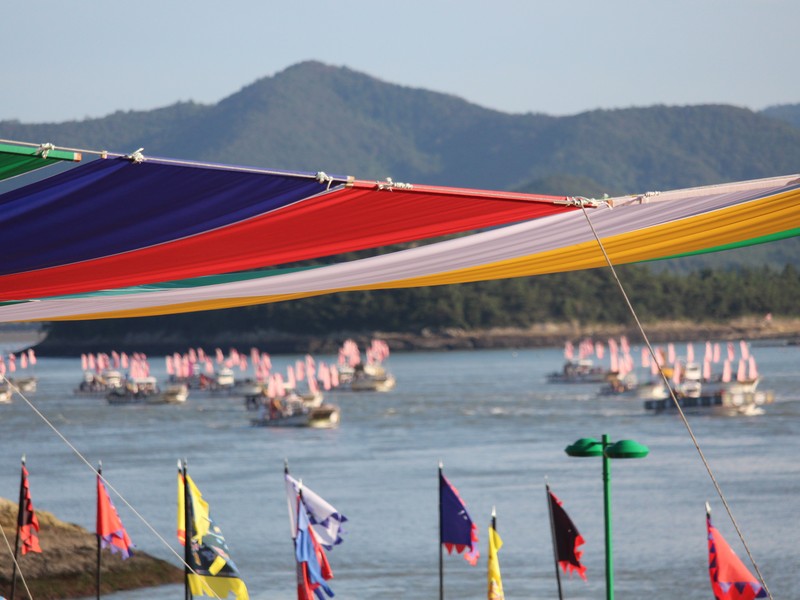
<point x="763" y="217"/>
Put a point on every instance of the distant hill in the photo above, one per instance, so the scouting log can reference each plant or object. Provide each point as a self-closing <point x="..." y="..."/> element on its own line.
<point x="785" y="112"/>
<point x="315" y="117"/>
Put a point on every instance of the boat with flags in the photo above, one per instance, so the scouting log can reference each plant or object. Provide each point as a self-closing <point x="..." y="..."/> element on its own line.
<point x="694" y="384"/>
<point x="293" y="412"/>
<point x="371" y="376"/>
<point x="582" y="368"/>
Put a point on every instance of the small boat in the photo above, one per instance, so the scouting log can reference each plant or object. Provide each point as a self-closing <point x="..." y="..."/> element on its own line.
<point x="99" y="383"/>
<point x="24" y="384"/>
<point x="5" y="395"/>
<point x="173" y="394"/>
<point x="580" y="371"/>
<point x="135" y="391"/>
<point x="372" y="378"/>
<point x="224" y="379"/>
<point x="247" y="387"/>
<point x="723" y="403"/>
<point x="297" y="414"/>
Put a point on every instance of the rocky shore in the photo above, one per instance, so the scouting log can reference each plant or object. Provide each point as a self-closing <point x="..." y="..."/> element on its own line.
<point x="66" y="568"/>
<point x="538" y="336"/>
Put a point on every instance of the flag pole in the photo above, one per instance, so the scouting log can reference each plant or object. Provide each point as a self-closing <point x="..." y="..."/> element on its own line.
<point x="553" y="534"/>
<point x="188" y="527"/>
<point x="441" y="552"/>
<point x="20" y="517"/>
<point x="97" y="532"/>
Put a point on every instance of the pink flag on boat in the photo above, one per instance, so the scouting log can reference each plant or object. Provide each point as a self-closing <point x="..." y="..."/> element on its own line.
<point x="716" y="358"/>
<point x="752" y="370"/>
<point x="219" y="356"/>
<point x="325" y="376"/>
<point x="569" y="351"/>
<point x="123" y="359"/>
<point x="654" y="368"/>
<point x="726" y="371"/>
<point x="291" y="381"/>
<point x="741" y="374"/>
<point x="646" y="358"/>
<point x="731" y="352"/>
<point x="614" y="362"/>
<point x="676" y="373"/>
<point x="624" y="345"/>
<point x="280" y="386"/>
<point x="23" y="361"/>
<point x="709" y="355"/>
<point x="599" y="350"/>
<point x="84" y="362"/>
<point x="300" y="370"/>
<point x="745" y="349"/>
<point x="31" y="356"/>
<point x="170" y="370"/>
<point x="689" y="352"/>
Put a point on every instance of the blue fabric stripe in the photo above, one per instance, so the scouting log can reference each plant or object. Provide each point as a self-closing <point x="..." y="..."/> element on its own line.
<point x="110" y="206"/>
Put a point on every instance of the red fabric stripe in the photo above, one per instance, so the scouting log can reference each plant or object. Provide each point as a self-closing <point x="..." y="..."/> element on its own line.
<point x="343" y="220"/>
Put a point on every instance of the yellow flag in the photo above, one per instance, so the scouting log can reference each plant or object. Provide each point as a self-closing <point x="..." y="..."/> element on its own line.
<point x="199" y="510"/>
<point x="495" y="581"/>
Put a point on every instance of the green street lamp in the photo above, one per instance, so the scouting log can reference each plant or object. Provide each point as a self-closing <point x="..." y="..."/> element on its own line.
<point x="622" y="449"/>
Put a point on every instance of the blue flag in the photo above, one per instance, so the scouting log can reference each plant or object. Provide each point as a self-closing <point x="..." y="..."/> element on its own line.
<point x="314" y="568"/>
<point x="456" y="529"/>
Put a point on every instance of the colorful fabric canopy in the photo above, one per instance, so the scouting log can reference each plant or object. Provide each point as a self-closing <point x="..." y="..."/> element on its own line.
<point x="631" y="228"/>
<point x="16" y="160"/>
<point x="119" y="222"/>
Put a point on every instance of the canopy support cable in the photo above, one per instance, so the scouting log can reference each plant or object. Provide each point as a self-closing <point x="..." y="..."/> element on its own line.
<point x="677" y="404"/>
<point x="14" y="389"/>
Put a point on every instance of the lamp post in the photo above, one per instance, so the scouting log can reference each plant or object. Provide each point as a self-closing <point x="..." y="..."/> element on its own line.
<point x="622" y="449"/>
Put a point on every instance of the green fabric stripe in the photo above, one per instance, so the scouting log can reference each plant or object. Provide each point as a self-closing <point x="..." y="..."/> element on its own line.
<point x="16" y="160"/>
<point x="743" y="244"/>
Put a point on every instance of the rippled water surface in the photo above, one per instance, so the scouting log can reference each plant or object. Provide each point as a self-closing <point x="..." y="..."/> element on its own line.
<point x="500" y="431"/>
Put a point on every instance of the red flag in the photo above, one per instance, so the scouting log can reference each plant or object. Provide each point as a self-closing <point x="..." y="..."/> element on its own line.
<point x="27" y="523"/>
<point x="109" y="527"/>
<point x="730" y="579"/>
<point x="566" y="538"/>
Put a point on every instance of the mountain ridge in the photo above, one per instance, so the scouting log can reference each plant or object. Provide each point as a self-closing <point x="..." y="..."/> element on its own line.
<point x="312" y="116"/>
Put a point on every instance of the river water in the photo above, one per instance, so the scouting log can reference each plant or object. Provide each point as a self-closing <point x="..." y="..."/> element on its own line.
<point x="500" y="431"/>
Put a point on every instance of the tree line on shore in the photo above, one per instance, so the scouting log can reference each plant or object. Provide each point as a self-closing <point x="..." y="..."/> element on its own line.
<point x="586" y="297"/>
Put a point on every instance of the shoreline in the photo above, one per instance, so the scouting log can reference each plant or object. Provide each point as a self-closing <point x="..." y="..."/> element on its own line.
<point x="67" y="565"/>
<point x="541" y="335"/>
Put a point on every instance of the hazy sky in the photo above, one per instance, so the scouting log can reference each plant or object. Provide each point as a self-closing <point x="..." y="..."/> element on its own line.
<point x="86" y="58"/>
